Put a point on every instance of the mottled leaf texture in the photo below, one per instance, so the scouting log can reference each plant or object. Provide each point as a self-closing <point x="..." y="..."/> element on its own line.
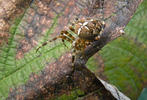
<point x="45" y="75"/>
<point x="123" y="61"/>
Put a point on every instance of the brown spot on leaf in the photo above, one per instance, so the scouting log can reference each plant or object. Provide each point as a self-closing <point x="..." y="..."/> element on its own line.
<point x="100" y="67"/>
<point x="19" y="55"/>
<point x="4" y="37"/>
<point x="109" y="8"/>
<point x="56" y="79"/>
<point x="30" y="32"/>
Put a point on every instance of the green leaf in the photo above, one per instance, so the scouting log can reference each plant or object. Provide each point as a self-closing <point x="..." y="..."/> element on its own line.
<point x="125" y="59"/>
<point x="14" y="71"/>
<point x="125" y="65"/>
<point x="137" y="27"/>
<point x="73" y="95"/>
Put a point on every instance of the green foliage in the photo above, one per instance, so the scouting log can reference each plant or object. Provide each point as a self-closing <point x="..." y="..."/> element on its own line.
<point x="14" y="72"/>
<point x="92" y="63"/>
<point x="73" y="95"/>
<point x="125" y="58"/>
<point x="8" y="69"/>
<point x="137" y="27"/>
<point x="125" y="65"/>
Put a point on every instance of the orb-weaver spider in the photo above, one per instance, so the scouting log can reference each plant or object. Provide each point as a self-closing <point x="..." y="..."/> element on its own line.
<point x="86" y="31"/>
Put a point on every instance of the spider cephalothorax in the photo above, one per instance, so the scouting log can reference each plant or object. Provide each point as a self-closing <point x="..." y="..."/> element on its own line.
<point x="81" y="34"/>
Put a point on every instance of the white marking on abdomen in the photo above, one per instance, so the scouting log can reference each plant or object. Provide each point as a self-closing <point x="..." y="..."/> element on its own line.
<point x="79" y="30"/>
<point x="86" y="27"/>
<point x="85" y="23"/>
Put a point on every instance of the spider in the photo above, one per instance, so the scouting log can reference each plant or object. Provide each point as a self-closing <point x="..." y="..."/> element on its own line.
<point x="84" y="32"/>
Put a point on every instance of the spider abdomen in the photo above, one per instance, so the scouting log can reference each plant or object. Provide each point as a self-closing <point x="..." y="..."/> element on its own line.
<point x="89" y="29"/>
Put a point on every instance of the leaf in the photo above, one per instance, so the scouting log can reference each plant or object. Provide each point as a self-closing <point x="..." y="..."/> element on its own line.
<point x="137" y="26"/>
<point x="126" y="68"/>
<point x="124" y="59"/>
<point x="19" y="59"/>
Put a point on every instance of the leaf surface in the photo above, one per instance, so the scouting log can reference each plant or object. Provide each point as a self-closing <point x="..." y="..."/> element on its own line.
<point x="123" y="61"/>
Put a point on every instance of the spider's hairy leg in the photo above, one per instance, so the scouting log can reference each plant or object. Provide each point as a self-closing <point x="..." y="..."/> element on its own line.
<point x="64" y="35"/>
<point x="63" y="41"/>
<point x="73" y="56"/>
<point x="77" y="48"/>
<point x="60" y="36"/>
<point x="63" y="38"/>
<point x="68" y="35"/>
<point x="45" y="43"/>
<point x="84" y="45"/>
<point x="74" y="50"/>
<point x="72" y="29"/>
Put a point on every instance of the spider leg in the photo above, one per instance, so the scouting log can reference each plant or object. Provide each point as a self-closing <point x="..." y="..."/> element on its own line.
<point x="77" y="47"/>
<point x="72" y="29"/>
<point x="45" y="43"/>
<point x="68" y="35"/>
<point x="84" y="45"/>
<point x="63" y="36"/>
<point x="74" y="50"/>
<point x="63" y="41"/>
<point x="73" y="56"/>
